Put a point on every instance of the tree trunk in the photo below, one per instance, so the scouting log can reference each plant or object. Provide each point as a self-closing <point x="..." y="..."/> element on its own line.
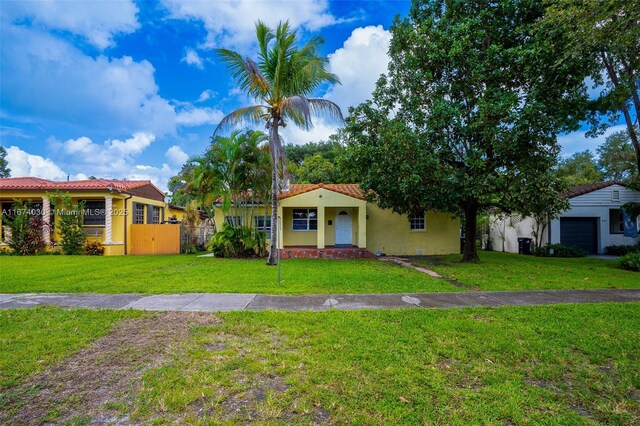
<point x="469" y="253"/>
<point x="273" y="138"/>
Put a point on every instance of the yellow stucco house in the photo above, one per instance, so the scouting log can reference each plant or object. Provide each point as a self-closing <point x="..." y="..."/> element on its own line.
<point x="335" y="220"/>
<point x="111" y="207"/>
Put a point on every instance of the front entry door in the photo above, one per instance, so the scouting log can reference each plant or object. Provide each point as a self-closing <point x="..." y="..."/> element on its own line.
<point x="343" y="228"/>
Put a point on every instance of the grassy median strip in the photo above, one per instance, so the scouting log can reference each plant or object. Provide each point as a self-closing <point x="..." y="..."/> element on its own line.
<point x="506" y="271"/>
<point x="188" y="273"/>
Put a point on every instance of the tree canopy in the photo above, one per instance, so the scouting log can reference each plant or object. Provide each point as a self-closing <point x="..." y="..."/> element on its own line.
<point x="581" y="168"/>
<point x="466" y="118"/>
<point x="5" y="171"/>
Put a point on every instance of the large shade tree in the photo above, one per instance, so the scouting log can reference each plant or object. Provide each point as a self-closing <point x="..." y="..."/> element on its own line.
<point x="466" y="118"/>
<point x="282" y="81"/>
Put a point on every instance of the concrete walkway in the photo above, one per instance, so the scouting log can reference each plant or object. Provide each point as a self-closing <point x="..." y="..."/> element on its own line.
<point x="209" y="302"/>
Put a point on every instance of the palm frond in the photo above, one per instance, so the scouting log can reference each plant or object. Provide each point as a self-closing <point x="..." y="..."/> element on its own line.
<point x="246" y="73"/>
<point x="326" y="108"/>
<point x="297" y="109"/>
<point x="251" y="115"/>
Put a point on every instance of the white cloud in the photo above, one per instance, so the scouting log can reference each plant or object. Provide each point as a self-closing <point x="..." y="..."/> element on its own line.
<point x="577" y="141"/>
<point x="206" y="95"/>
<point x="46" y="77"/>
<point x="359" y="63"/>
<point x="191" y="57"/>
<point x="23" y="164"/>
<point x="232" y="23"/>
<point x="158" y="175"/>
<point x="191" y="117"/>
<point x="97" y="21"/>
<point x="176" y="155"/>
<point x="320" y="131"/>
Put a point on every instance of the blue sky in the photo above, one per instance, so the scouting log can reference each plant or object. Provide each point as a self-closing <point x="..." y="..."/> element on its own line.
<point x="127" y="89"/>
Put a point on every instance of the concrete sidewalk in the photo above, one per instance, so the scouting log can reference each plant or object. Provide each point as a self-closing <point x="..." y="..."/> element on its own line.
<point x="210" y="302"/>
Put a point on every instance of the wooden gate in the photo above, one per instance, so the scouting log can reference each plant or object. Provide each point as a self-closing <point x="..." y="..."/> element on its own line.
<point x="155" y="239"/>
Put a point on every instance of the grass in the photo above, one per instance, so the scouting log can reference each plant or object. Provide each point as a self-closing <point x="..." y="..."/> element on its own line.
<point x="32" y="339"/>
<point x="564" y="364"/>
<point x="192" y="274"/>
<point x="506" y="271"/>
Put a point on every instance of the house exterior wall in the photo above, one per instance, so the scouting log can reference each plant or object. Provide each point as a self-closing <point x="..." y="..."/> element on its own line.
<point x="121" y="217"/>
<point x="597" y="204"/>
<point x="390" y="233"/>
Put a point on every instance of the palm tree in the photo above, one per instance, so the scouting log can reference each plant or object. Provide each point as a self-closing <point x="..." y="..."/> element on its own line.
<point x="281" y="81"/>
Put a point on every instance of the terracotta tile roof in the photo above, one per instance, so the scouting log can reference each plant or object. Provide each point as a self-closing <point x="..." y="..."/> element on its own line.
<point x="349" y="189"/>
<point x="585" y="189"/>
<point x="49" y="185"/>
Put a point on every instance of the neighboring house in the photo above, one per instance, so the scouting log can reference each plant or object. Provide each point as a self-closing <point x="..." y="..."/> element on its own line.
<point x="111" y="207"/>
<point x="334" y="220"/>
<point x="593" y="221"/>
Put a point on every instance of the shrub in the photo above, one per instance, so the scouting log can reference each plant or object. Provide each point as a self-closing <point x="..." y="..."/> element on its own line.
<point x="26" y="229"/>
<point x="93" y="248"/>
<point x="621" y="250"/>
<point x="630" y="261"/>
<point x="72" y="236"/>
<point x="559" y="250"/>
<point x="238" y="242"/>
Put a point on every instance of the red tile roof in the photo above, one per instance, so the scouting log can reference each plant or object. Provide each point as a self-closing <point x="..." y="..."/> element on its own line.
<point x="49" y="185"/>
<point x="349" y="189"/>
<point x="585" y="189"/>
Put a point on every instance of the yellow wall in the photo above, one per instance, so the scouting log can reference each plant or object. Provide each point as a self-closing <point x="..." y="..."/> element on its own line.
<point x="389" y="233"/>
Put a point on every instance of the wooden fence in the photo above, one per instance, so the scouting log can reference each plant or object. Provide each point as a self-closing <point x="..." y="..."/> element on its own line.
<point x="155" y="239"/>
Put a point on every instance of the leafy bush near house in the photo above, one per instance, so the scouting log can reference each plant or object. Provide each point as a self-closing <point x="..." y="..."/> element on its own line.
<point x="93" y="248"/>
<point x="25" y="228"/>
<point x="630" y="261"/>
<point x="559" y="250"/>
<point x="72" y="236"/>
<point x="240" y="241"/>
<point x="621" y="250"/>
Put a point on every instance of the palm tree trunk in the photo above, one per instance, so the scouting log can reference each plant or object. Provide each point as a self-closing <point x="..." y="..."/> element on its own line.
<point x="273" y="143"/>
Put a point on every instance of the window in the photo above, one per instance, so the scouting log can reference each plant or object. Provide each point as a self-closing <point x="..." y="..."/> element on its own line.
<point x="616" y="222"/>
<point x="262" y="224"/>
<point x="417" y="223"/>
<point x="94" y="213"/>
<point x="615" y="195"/>
<point x="305" y="219"/>
<point x="138" y="213"/>
<point x="234" y="221"/>
<point x="155" y="214"/>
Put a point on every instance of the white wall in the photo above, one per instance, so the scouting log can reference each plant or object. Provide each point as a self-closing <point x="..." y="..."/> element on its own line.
<point x="515" y="228"/>
<point x="597" y="204"/>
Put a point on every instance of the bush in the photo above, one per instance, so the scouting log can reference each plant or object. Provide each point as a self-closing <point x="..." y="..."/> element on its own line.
<point x="72" y="236"/>
<point x="94" y="248"/>
<point x="559" y="250"/>
<point x="238" y="242"/>
<point x="621" y="250"/>
<point x="630" y="261"/>
<point x="26" y="229"/>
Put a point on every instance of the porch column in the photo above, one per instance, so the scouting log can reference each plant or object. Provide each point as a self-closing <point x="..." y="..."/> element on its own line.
<point x="46" y="214"/>
<point x="108" y="207"/>
<point x="320" y="231"/>
<point x="362" y="226"/>
<point x="280" y="226"/>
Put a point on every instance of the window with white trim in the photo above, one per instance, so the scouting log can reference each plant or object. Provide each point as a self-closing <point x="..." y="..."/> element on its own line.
<point x="155" y="214"/>
<point x="305" y="219"/>
<point x="616" y="221"/>
<point x="615" y="195"/>
<point x="262" y="224"/>
<point x="138" y="213"/>
<point x="417" y="223"/>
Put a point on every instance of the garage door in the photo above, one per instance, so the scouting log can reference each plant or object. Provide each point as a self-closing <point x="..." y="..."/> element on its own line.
<point x="580" y="232"/>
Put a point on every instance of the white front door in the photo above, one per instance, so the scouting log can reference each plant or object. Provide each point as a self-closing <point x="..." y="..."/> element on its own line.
<point x="343" y="227"/>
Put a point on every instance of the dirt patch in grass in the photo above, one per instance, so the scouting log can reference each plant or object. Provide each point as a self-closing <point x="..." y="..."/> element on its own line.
<point x="97" y="383"/>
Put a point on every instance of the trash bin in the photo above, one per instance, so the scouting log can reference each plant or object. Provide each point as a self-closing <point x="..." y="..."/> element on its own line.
<point x="524" y="245"/>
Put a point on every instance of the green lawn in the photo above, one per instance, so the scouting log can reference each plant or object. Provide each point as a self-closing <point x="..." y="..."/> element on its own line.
<point x="188" y="273"/>
<point x="36" y="338"/>
<point x="506" y="271"/>
<point x="564" y="364"/>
